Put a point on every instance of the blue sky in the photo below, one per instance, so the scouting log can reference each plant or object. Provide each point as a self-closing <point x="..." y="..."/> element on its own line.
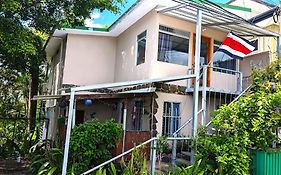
<point x="106" y="18"/>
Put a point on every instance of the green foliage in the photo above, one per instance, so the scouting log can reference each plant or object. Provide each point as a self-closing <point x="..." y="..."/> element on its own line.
<point x="45" y="160"/>
<point x="161" y="147"/>
<point x="190" y="170"/>
<point x="23" y="28"/>
<point x="92" y="142"/>
<point x="137" y="164"/>
<point x="248" y="123"/>
<point x="13" y="120"/>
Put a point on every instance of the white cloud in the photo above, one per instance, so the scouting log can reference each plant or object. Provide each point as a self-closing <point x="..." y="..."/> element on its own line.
<point x="90" y="23"/>
<point x="95" y="15"/>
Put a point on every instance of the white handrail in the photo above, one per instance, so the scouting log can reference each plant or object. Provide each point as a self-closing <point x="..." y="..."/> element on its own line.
<point x="242" y="93"/>
<point x="130" y="150"/>
<point x="119" y="156"/>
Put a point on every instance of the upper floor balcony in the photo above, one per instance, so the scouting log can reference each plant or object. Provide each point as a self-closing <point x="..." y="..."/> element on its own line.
<point x="218" y="80"/>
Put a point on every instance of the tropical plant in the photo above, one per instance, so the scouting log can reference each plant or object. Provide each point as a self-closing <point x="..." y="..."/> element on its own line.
<point x="45" y="160"/>
<point x="137" y="164"/>
<point x="161" y="147"/>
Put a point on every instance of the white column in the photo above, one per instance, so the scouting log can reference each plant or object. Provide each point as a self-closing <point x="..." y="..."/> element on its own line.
<point x="197" y="77"/>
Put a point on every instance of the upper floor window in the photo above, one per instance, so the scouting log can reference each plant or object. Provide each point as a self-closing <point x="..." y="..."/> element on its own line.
<point x="173" y="46"/>
<point x="141" y="45"/>
<point x="222" y="60"/>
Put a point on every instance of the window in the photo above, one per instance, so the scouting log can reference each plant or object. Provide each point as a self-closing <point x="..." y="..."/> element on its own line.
<point x="173" y="46"/>
<point x="141" y="44"/>
<point x="137" y="114"/>
<point x="171" y="118"/>
<point x="222" y="60"/>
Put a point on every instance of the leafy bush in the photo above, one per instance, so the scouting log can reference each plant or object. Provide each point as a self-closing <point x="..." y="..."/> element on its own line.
<point x="246" y="124"/>
<point x="91" y="143"/>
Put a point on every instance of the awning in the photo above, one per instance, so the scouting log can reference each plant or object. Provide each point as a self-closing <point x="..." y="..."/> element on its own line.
<point x="216" y="17"/>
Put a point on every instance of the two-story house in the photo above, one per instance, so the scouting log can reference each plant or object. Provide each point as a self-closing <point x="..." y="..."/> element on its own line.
<point x="153" y="39"/>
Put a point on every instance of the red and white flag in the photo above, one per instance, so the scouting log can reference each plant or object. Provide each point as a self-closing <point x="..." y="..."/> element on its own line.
<point x="236" y="47"/>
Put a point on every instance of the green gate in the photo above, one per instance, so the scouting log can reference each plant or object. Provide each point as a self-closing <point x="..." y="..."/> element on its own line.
<point x="266" y="163"/>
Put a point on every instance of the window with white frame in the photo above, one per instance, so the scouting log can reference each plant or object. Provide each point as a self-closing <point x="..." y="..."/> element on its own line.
<point x="171" y="118"/>
<point x="173" y="45"/>
<point x="141" y="45"/>
<point x="221" y="60"/>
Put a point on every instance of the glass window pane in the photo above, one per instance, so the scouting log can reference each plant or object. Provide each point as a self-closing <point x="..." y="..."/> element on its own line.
<point x="141" y="48"/>
<point x="171" y="118"/>
<point x="173" y="49"/>
<point x="222" y="60"/>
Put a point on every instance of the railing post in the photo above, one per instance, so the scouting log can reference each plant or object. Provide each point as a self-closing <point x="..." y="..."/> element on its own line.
<point x="68" y="131"/>
<point x="174" y="151"/>
<point x="153" y="162"/>
<point x="240" y="82"/>
<point x="204" y="95"/>
<point x="188" y="84"/>
<point x="124" y="127"/>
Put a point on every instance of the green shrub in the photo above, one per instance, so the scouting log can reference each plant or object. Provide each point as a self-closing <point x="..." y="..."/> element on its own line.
<point x="91" y="143"/>
<point x="249" y="123"/>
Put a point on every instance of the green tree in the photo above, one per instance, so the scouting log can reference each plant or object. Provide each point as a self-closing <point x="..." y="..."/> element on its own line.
<point x="21" y="48"/>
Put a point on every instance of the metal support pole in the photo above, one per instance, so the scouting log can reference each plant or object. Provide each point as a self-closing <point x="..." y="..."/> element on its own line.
<point x="68" y="132"/>
<point x="124" y="127"/>
<point x="204" y="96"/>
<point x="153" y="162"/>
<point x="197" y="77"/>
<point x="279" y="46"/>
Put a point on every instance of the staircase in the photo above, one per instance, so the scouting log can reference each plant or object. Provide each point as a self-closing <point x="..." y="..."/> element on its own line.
<point x="213" y="96"/>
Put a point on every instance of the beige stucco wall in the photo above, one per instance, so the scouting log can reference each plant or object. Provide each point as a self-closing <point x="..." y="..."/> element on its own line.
<point x="126" y="68"/>
<point x="89" y="60"/>
<point x="257" y="60"/>
<point x="103" y="109"/>
<point x="185" y="110"/>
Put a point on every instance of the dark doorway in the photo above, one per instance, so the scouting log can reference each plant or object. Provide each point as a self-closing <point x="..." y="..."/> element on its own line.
<point x="79" y="117"/>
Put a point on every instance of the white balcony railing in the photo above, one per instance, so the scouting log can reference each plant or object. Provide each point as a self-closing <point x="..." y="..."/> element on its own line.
<point x="218" y="80"/>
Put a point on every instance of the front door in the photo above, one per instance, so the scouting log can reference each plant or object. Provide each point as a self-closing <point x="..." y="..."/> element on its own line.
<point x="205" y="55"/>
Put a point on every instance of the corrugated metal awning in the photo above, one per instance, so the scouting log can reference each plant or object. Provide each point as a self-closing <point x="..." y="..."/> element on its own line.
<point x="216" y="17"/>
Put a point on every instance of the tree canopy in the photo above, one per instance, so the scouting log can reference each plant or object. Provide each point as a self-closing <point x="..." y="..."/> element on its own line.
<point x="22" y="23"/>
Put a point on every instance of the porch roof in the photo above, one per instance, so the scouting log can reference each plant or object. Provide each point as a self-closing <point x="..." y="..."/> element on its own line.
<point x="214" y="16"/>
